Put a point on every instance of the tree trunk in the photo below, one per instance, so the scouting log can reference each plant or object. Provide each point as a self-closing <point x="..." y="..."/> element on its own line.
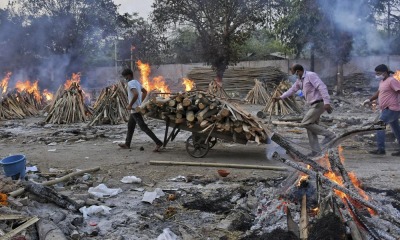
<point x="339" y="79"/>
<point x="312" y="63"/>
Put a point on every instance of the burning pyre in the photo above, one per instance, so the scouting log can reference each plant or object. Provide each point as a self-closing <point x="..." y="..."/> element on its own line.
<point x="69" y="103"/>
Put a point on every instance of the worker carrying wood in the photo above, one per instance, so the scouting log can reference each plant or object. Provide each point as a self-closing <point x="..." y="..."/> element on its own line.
<point x="388" y="95"/>
<point x="136" y="94"/>
<point x="317" y="96"/>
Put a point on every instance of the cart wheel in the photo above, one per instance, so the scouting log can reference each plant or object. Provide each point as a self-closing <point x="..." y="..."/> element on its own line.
<point x="196" y="146"/>
<point x="212" y="141"/>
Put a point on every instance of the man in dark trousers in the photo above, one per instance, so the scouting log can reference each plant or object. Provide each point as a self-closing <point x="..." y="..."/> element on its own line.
<point x="316" y="95"/>
<point x="136" y="94"/>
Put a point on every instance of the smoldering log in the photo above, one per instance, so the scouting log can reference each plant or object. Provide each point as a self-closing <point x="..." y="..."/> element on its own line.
<point x="51" y="195"/>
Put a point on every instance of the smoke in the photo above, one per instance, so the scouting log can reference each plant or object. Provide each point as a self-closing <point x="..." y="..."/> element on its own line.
<point x="355" y="17"/>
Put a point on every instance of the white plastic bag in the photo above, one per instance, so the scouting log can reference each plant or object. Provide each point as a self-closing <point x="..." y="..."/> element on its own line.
<point x="102" y="191"/>
<point x="92" y="210"/>
<point x="167" y="234"/>
<point x="131" y="179"/>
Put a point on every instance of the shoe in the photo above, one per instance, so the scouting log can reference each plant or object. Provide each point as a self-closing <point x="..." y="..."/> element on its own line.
<point x="378" y="152"/>
<point x="157" y="149"/>
<point x="396" y="154"/>
<point x="328" y="139"/>
<point x="123" y="145"/>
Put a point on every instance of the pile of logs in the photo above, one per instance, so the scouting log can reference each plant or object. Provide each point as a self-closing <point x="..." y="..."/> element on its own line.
<point x="282" y="107"/>
<point x="236" y="79"/>
<point x="334" y="191"/>
<point x="258" y="95"/>
<point x="110" y="107"/>
<point x="217" y="90"/>
<point x="353" y="82"/>
<point x="201" y="112"/>
<point x="19" y="105"/>
<point x="68" y="106"/>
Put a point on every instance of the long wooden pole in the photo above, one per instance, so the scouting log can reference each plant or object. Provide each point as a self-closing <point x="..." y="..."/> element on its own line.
<point x="58" y="180"/>
<point x="243" y="166"/>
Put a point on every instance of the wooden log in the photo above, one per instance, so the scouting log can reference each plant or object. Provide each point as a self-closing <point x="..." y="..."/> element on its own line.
<point x="58" y="180"/>
<point x="48" y="230"/>
<point x="190" y="116"/>
<point x="200" y="164"/>
<point x="20" y="228"/>
<point x="303" y="225"/>
<point x="51" y="195"/>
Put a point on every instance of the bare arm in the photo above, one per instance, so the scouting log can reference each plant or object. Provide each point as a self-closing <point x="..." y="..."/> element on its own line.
<point x="144" y="94"/>
<point x="375" y="96"/>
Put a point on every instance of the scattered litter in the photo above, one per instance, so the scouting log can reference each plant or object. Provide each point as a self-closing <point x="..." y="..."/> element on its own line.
<point x="179" y="178"/>
<point x="167" y="234"/>
<point x="131" y="179"/>
<point x="31" y="169"/>
<point x="52" y="144"/>
<point x="92" y="210"/>
<point x="120" y="141"/>
<point x="86" y="157"/>
<point x="138" y="189"/>
<point x="55" y="170"/>
<point x="80" y="140"/>
<point x="150" y="196"/>
<point x="273" y="147"/>
<point x="52" y="150"/>
<point x="102" y="191"/>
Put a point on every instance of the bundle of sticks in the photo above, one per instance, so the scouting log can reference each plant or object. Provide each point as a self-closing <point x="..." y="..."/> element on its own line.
<point x="216" y="89"/>
<point x="110" y="107"/>
<point x="19" y="105"/>
<point x="259" y="94"/>
<point x="68" y="106"/>
<point x="282" y="107"/>
<point x="238" y="79"/>
<point x="337" y="191"/>
<point x="205" y="112"/>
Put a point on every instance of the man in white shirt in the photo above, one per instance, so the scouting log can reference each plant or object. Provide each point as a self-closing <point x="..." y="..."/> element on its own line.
<point x="136" y="94"/>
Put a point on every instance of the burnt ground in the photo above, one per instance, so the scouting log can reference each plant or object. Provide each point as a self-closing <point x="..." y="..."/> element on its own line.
<point x="206" y="205"/>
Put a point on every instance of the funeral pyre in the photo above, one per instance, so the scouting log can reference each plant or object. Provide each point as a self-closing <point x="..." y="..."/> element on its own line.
<point x="69" y="105"/>
<point x="323" y="200"/>
<point x="24" y="100"/>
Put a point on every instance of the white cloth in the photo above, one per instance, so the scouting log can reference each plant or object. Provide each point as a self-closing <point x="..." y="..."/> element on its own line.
<point x="134" y="84"/>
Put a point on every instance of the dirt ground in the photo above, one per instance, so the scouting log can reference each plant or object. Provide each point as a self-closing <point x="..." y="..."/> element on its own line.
<point x="76" y="146"/>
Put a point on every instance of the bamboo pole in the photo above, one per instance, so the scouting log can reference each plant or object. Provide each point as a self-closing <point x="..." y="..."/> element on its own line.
<point x="242" y="166"/>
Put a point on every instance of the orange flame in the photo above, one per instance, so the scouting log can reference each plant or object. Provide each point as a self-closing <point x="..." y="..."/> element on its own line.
<point x="4" y="82"/>
<point x="29" y="87"/>
<point x="47" y="95"/>
<point x="144" y="69"/>
<point x="189" y="84"/>
<point x="396" y="75"/>
<point x="158" y="83"/>
<point x="75" y="80"/>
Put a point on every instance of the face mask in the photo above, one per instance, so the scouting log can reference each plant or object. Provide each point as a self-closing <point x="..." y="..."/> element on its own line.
<point x="379" y="77"/>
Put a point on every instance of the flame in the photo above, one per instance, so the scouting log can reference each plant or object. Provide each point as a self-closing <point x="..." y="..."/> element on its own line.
<point x="4" y="82"/>
<point x="47" y="95"/>
<point x="158" y="83"/>
<point x="29" y="87"/>
<point x="189" y="84"/>
<point x="75" y="80"/>
<point x="144" y="69"/>
<point x="396" y="75"/>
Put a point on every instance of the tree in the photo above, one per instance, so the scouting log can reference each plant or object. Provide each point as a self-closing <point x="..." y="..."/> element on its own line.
<point x="141" y="40"/>
<point x="310" y="26"/>
<point x="186" y="46"/>
<point x="222" y="25"/>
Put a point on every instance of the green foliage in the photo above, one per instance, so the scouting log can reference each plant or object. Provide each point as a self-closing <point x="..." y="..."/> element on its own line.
<point x="186" y="46"/>
<point x="221" y="25"/>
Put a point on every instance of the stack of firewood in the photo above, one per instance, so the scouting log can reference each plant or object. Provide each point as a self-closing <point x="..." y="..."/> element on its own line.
<point x="202" y="112"/>
<point x="68" y="106"/>
<point x="282" y="107"/>
<point x="259" y="94"/>
<point x="214" y="88"/>
<point x="19" y="105"/>
<point x="236" y="79"/>
<point x="110" y="107"/>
